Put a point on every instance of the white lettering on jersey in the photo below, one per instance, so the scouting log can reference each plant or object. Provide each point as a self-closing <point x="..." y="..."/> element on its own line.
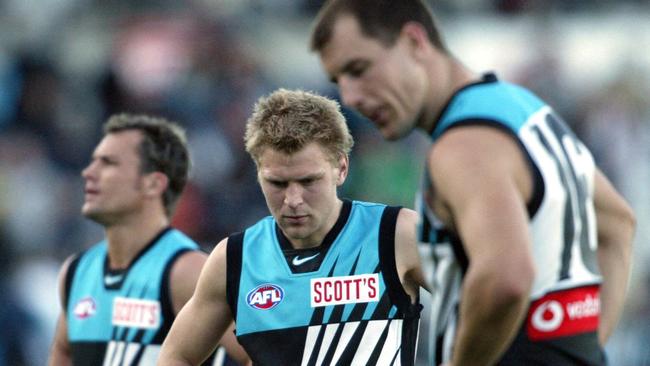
<point x="588" y="307"/>
<point x="265" y="296"/>
<point x="344" y="290"/>
<point x="136" y="313"/>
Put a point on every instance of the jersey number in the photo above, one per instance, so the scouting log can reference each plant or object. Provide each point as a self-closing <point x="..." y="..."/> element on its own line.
<point x="574" y="163"/>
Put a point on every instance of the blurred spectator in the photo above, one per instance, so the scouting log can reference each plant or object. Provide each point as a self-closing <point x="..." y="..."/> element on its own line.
<point x="17" y="325"/>
<point x="31" y="193"/>
<point x="202" y="76"/>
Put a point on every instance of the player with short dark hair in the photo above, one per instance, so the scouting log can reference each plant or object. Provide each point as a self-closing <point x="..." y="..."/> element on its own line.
<point x="120" y="296"/>
<point x="531" y="243"/>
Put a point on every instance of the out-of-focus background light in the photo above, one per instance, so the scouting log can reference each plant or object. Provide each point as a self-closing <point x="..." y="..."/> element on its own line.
<point x="65" y="65"/>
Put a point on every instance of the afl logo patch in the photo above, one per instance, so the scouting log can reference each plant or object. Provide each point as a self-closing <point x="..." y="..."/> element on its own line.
<point x="85" y="308"/>
<point x="265" y="296"/>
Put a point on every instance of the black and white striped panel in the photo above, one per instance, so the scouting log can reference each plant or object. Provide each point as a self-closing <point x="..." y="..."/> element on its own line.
<point x="119" y="353"/>
<point x="380" y="343"/>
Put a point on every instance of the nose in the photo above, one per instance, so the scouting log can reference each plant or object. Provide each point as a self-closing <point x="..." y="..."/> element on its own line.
<point x="293" y="195"/>
<point x="86" y="173"/>
<point x="350" y="92"/>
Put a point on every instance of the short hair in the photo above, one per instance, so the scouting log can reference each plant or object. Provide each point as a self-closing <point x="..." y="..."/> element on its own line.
<point x="288" y="120"/>
<point x="163" y="149"/>
<point x="379" y="19"/>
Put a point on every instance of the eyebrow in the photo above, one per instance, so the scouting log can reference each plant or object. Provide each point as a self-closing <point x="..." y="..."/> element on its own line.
<point x="298" y="179"/>
<point x="311" y="176"/>
<point x="104" y="157"/>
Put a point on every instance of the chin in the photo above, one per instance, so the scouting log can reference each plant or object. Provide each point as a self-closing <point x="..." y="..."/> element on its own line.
<point x="291" y="232"/>
<point x="294" y="233"/>
<point x="93" y="215"/>
<point x="390" y="135"/>
<point x="398" y="132"/>
<point x="86" y="211"/>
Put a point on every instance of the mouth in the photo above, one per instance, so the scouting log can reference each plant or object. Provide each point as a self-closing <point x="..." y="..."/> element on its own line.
<point x="91" y="192"/>
<point x="295" y="219"/>
<point x="378" y="116"/>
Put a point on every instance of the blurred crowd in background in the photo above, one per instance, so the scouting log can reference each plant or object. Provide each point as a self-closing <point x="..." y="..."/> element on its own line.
<point x="66" y="65"/>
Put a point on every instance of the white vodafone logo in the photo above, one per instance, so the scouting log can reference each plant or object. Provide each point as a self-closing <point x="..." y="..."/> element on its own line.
<point x="548" y="316"/>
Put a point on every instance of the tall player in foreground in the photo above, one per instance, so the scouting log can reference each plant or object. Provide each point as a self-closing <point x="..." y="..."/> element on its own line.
<point x="323" y="280"/>
<point x="120" y="297"/>
<point x="531" y="243"/>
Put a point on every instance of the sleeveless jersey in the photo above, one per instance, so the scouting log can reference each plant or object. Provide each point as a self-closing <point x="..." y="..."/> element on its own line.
<point x="560" y="327"/>
<point x="349" y="310"/>
<point x="122" y="319"/>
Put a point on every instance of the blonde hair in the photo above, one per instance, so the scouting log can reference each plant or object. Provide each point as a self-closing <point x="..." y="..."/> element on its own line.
<point x="288" y="120"/>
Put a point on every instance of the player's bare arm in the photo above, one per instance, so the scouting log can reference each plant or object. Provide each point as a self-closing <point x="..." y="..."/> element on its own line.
<point x="60" y="349"/>
<point x="204" y="319"/>
<point x="482" y="193"/>
<point x="184" y="276"/>
<point x="233" y="348"/>
<point x="407" y="256"/>
<point x="616" y="224"/>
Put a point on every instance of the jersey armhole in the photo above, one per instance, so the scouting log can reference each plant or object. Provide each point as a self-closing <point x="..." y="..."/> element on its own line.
<point x="388" y="263"/>
<point x="233" y="270"/>
<point x="166" y="305"/>
<point x="69" y="276"/>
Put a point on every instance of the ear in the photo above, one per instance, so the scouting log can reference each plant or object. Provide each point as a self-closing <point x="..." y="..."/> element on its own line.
<point x="416" y="37"/>
<point x="155" y="183"/>
<point x="344" y="166"/>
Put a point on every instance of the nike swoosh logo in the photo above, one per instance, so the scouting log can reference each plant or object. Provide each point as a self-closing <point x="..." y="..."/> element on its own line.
<point x="111" y="280"/>
<point x="298" y="261"/>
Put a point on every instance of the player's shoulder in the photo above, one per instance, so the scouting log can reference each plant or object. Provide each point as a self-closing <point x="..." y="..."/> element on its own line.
<point x="179" y="238"/>
<point x="191" y="258"/>
<point x="407" y="220"/>
<point x="407" y="215"/>
<point x="472" y="147"/>
<point x="66" y="274"/>
<point x="69" y="262"/>
<point x="219" y="252"/>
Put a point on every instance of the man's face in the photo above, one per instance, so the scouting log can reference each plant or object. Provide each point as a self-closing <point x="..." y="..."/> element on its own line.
<point x="300" y="191"/>
<point x="385" y="84"/>
<point x="113" y="183"/>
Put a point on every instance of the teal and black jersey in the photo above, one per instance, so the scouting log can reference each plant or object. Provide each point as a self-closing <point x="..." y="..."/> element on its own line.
<point x="348" y="308"/>
<point x="560" y="328"/>
<point x="122" y="318"/>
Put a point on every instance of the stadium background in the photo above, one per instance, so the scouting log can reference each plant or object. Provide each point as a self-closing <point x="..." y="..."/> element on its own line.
<point x="65" y="65"/>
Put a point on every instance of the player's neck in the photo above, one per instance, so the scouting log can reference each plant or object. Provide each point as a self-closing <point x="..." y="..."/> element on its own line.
<point x="128" y="238"/>
<point x="444" y="84"/>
